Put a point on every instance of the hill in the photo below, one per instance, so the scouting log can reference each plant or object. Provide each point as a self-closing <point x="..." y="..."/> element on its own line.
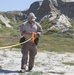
<point x="58" y="25"/>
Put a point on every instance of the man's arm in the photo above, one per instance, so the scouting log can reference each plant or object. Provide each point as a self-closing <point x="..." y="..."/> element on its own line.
<point x="39" y="29"/>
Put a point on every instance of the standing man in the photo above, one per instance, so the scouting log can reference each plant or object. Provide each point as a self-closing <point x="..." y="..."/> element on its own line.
<point x="29" y="48"/>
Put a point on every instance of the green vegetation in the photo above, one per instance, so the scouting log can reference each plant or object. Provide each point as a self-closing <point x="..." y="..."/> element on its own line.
<point x="53" y="42"/>
<point x="72" y="23"/>
<point x="46" y="23"/>
<point x="49" y="41"/>
<point x="8" y="36"/>
<point x="68" y="63"/>
<point x="1" y="23"/>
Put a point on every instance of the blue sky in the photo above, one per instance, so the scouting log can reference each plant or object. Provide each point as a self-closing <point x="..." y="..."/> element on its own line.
<point x="10" y="5"/>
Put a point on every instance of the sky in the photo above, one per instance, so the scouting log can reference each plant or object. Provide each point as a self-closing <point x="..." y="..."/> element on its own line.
<point x="11" y="5"/>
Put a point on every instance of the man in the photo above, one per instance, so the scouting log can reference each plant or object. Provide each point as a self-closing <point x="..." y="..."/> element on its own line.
<point x="29" y="48"/>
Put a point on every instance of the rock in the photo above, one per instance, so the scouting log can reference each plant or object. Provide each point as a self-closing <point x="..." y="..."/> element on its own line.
<point x="35" y="6"/>
<point x="15" y="16"/>
<point x="66" y="0"/>
<point x="61" y="24"/>
<point x="5" y="20"/>
<point x="66" y="8"/>
<point x="42" y="8"/>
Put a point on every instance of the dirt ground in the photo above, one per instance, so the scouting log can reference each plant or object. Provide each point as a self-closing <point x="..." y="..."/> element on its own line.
<point x="46" y="63"/>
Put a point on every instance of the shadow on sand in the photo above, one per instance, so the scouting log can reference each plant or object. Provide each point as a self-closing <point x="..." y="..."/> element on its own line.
<point x="3" y="71"/>
<point x="7" y="71"/>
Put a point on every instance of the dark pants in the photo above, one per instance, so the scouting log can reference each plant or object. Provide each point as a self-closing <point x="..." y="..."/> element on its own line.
<point x="30" y="49"/>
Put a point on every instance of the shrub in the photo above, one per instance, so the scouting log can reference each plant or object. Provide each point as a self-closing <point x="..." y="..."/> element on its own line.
<point x="2" y="23"/>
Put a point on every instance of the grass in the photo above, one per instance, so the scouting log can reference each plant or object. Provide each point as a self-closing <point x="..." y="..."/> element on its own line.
<point x="72" y="23"/>
<point x="57" y="44"/>
<point x="68" y="63"/>
<point x="8" y="36"/>
<point x="46" y="23"/>
<point x="54" y="41"/>
<point x="1" y="23"/>
<point x="51" y="42"/>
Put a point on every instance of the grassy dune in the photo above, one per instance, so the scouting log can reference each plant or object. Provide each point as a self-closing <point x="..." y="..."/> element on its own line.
<point x="55" y="43"/>
<point x="9" y="36"/>
<point x="48" y="42"/>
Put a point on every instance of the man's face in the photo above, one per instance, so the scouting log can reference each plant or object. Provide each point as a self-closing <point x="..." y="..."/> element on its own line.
<point x="31" y="21"/>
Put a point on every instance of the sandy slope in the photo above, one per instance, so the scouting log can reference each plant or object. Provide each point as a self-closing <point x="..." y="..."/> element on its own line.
<point x="46" y="63"/>
<point x="5" y="20"/>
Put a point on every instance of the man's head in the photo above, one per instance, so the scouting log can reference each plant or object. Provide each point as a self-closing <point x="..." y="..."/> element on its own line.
<point x="31" y="17"/>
